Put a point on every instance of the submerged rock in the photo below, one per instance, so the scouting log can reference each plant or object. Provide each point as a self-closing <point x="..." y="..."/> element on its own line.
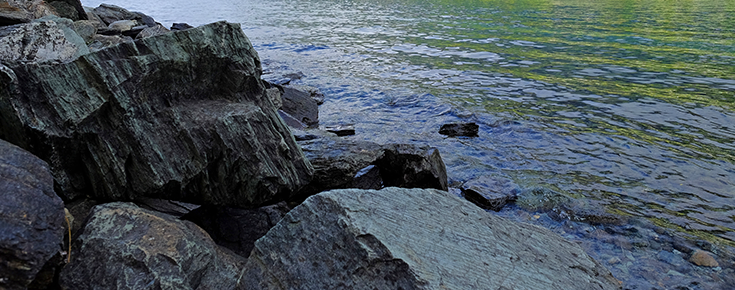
<point x="180" y="116"/>
<point x="414" y="239"/>
<point x="490" y="192"/>
<point x="125" y="247"/>
<point x="31" y="217"/>
<point x="459" y="129"/>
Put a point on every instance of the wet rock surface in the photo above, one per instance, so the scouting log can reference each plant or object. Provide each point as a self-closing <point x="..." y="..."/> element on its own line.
<point x="125" y="247"/>
<point x="414" y="239"/>
<point x="459" y="129"/>
<point x="31" y="217"/>
<point x="176" y="116"/>
<point x="490" y="192"/>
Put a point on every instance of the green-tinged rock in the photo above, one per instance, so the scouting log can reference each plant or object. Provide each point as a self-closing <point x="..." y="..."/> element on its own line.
<point x="125" y="247"/>
<point x="31" y="217"/>
<point x="180" y="116"/>
<point x="414" y="239"/>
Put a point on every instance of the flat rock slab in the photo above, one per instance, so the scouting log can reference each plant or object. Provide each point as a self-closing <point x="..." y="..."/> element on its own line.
<point x="123" y="246"/>
<point x="414" y="239"/>
<point x="31" y="217"/>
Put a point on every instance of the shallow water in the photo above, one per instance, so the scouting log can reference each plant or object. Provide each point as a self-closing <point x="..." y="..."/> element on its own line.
<point x="625" y="103"/>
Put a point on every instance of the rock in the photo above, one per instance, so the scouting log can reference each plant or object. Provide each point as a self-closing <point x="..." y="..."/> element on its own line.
<point x="704" y="259"/>
<point x="412" y="166"/>
<point x="341" y="130"/>
<point x="147" y="20"/>
<point x="152" y="31"/>
<point x="79" y="209"/>
<point x="235" y="228"/>
<point x="274" y="95"/>
<point x="94" y="18"/>
<point x="125" y="247"/>
<point x="111" y="13"/>
<point x="180" y="116"/>
<point x="41" y="41"/>
<point x="459" y="129"/>
<point x="86" y="29"/>
<point x="490" y="192"/>
<point x="300" y="105"/>
<point x="181" y="26"/>
<point x="313" y="92"/>
<point x="31" y="217"/>
<point x="169" y="207"/>
<point x="122" y="25"/>
<point x="367" y="178"/>
<point x="540" y="199"/>
<point x="100" y="42"/>
<point x="71" y="9"/>
<point x="23" y="11"/>
<point x="337" y="163"/>
<point x="414" y="239"/>
<point x="291" y="121"/>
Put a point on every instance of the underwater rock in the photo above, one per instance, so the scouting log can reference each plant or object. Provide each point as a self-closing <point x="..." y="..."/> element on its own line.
<point x="459" y="129"/>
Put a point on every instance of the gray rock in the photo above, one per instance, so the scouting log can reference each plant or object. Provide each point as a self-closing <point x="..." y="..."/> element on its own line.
<point x="100" y="42"/>
<point x="235" y="228"/>
<point x="341" y="130"/>
<point x="412" y="166"/>
<point x="367" y="178"/>
<point x="41" y="41"/>
<point x="300" y="105"/>
<point x="23" y="11"/>
<point x="111" y="13"/>
<point x="152" y="31"/>
<point x="169" y="207"/>
<point x="31" y="217"/>
<point x="125" y="247"/>
<point x="291" y="121"/>
<point x="313" y="92"/>
<point x="180" y="116"/>
<point x="414" y="239"/>
<point x="94" y="18"/>
<point x="122" y="25"/>
<point x="490" y="192"/>
<point x="86" y="29"/>
<point x="338" y="161"/>
<point x="181" y="26"/>
<point x="71" y="9"/>
<point x="459" y="129"/>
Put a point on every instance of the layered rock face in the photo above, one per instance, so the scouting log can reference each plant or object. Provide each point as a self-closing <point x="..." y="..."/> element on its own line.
<point x="179" y="116"/>
<point x="31" y="217"/>
<point x="413" y="239"/>
<point x="125" y="247"/>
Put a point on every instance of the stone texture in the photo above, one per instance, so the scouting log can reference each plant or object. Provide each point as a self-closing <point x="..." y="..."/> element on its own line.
<point x="152" y="31"/>
<point x="412" y="166"/>
<point x="414" y="239"/>
<point x="111" y="13"/>
<point x="235" y="228"/>
<point x="125" y="247"/>
<point x="100" y="42"/>
<point x="86" y="29"/>
<point x="31" y="217"/>
<point x="459" y="129"/>
<point x="180" y="116"/>
<point x="703" y="258"/>
<point x="41" y="41"/>
<point x="122" y="25"/>
<point x="338" y="161"/>
<point x="71" y="9"/>
<point x="22" y="11"/>
<point x="300" y="105"/>
<point x="181" y="26"/>
<point x="490" y="192"/>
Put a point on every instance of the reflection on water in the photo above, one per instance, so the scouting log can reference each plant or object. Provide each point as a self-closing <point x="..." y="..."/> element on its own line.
<point x="626" y="102"/>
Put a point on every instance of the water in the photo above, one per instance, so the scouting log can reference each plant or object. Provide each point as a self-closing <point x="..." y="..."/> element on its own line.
<point x="625" y="104"/>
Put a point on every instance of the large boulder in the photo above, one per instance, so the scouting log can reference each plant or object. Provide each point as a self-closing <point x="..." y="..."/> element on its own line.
<point x="414" y="239"/>
<point x="179" y="116"/>
<point x="125" y="247"/>
<point x="21" y="11"/>
<point x="31" y="217"/>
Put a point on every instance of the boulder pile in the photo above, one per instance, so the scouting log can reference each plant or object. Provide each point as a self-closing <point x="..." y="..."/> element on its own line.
<point x="178" y="171"/>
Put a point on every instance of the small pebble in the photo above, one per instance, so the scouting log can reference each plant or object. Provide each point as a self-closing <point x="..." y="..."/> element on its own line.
<point x="613" y="260"/>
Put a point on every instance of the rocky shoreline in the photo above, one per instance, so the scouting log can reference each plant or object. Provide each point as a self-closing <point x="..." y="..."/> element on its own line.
<point x="141" y="157"/>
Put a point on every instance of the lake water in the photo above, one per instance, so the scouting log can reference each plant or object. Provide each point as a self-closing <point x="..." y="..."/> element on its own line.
<point x="624" y="104"/>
